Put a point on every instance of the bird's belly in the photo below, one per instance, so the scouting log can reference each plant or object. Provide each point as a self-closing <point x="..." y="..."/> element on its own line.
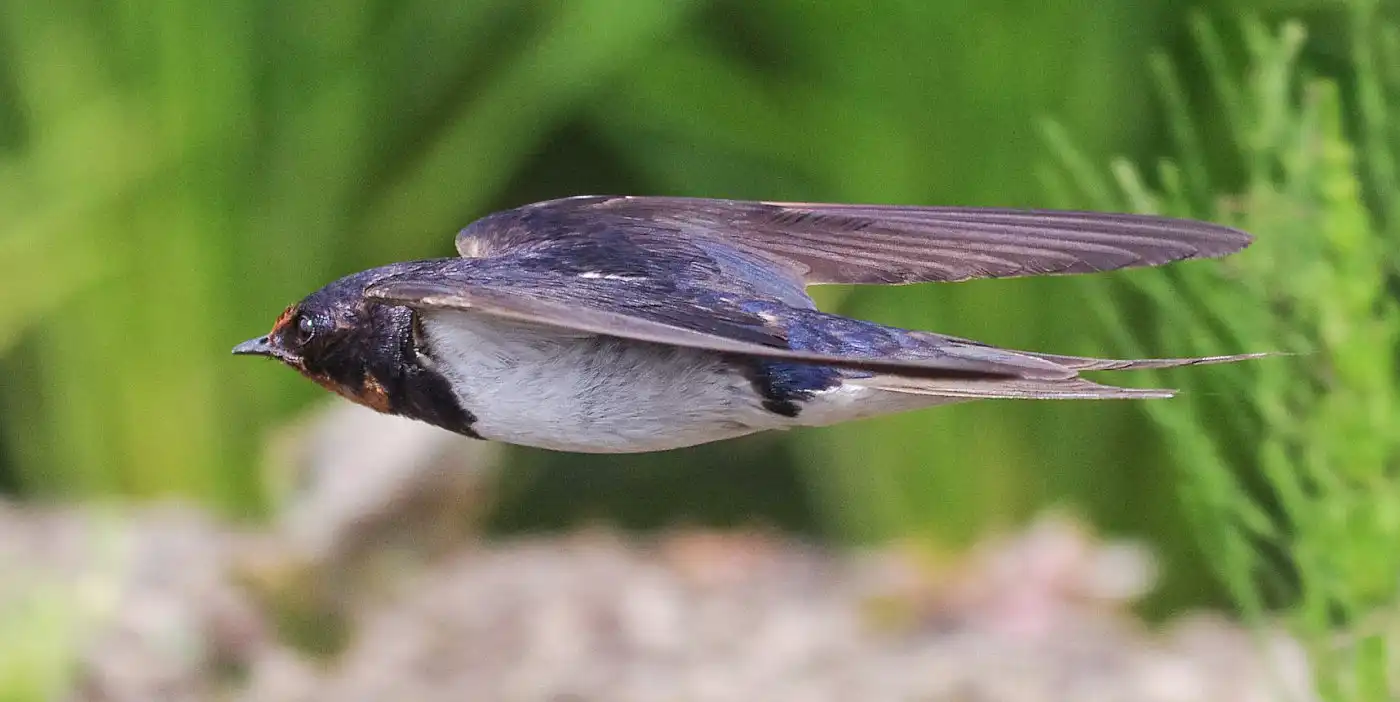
<point x="538" y="387"/>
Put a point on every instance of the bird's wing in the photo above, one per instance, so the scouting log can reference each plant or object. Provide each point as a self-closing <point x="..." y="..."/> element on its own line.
<point x="613" y="308"/>
<point x="810" y="243"/>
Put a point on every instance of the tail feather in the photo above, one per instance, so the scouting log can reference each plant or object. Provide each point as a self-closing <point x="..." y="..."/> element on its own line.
<point x="1014" y="389"/>
<point x="1070" y="387"/>
<point x="1053" y="365"/>
<point x="1084" y="363"/>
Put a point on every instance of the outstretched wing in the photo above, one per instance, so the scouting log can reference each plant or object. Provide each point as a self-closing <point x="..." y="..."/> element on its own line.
<point x="607" y="308"/>
<point x="811" y="243"/>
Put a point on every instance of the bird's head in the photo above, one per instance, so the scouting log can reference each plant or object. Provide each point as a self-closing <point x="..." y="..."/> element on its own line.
<point x="341" y="340"/>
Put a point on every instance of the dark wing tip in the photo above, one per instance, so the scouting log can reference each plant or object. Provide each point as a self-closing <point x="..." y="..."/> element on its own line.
<point x="1227" y="240"/>
<point x="1211" y="239"/>
<point x="899" y="244"/>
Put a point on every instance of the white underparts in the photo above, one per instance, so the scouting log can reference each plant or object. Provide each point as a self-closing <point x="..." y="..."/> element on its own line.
<point x="555" y="389"/>
<point x="567" y="391"/>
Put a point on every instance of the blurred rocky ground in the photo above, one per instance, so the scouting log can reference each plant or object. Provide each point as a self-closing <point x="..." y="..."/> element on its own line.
<point x="162" y="608"/>
<point x="362" y="593"/>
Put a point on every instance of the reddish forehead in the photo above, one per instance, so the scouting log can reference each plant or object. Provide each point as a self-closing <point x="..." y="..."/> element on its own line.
<point x="283" y="320"/>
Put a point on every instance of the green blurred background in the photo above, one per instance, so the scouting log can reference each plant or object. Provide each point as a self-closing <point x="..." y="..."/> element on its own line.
<point x="172" y="174"/>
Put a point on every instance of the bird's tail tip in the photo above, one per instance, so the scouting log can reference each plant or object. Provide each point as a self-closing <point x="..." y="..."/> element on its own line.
<point x="1084" y="363"/>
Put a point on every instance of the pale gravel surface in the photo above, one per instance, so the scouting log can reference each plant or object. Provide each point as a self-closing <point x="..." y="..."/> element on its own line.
<point x="692" y="616"/>
<point x="739" y="618"/>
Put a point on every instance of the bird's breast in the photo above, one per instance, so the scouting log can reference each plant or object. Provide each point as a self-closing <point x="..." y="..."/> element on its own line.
<point x="555" y="389"/>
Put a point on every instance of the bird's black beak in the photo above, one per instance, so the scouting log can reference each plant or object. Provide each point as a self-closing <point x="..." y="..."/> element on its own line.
<point x="261" y="346"/>
<point x="254" y="347"/>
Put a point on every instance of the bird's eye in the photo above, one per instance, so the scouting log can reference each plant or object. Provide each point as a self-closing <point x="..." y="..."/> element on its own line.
<point x="306" y="328"/>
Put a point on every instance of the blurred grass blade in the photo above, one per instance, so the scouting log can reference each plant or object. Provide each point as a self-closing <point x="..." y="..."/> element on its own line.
<point x="559" y="67"/>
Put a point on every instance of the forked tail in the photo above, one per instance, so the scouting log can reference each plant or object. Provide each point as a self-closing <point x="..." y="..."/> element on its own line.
<point x="1069" y="388"/>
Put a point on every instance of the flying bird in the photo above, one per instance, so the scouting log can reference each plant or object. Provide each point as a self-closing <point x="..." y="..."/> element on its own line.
<point x="617" y="324"/>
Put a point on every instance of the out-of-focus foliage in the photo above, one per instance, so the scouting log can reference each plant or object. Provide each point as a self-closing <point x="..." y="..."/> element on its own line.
<point x="42" y="643"/>
<point x="1320" y="161"/>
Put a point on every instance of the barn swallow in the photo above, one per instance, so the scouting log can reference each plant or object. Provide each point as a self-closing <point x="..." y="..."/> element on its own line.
<point x="625" y="324"/>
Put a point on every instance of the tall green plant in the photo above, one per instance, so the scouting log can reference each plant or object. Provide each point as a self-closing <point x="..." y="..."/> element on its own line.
<point x="1319" y="427"/>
